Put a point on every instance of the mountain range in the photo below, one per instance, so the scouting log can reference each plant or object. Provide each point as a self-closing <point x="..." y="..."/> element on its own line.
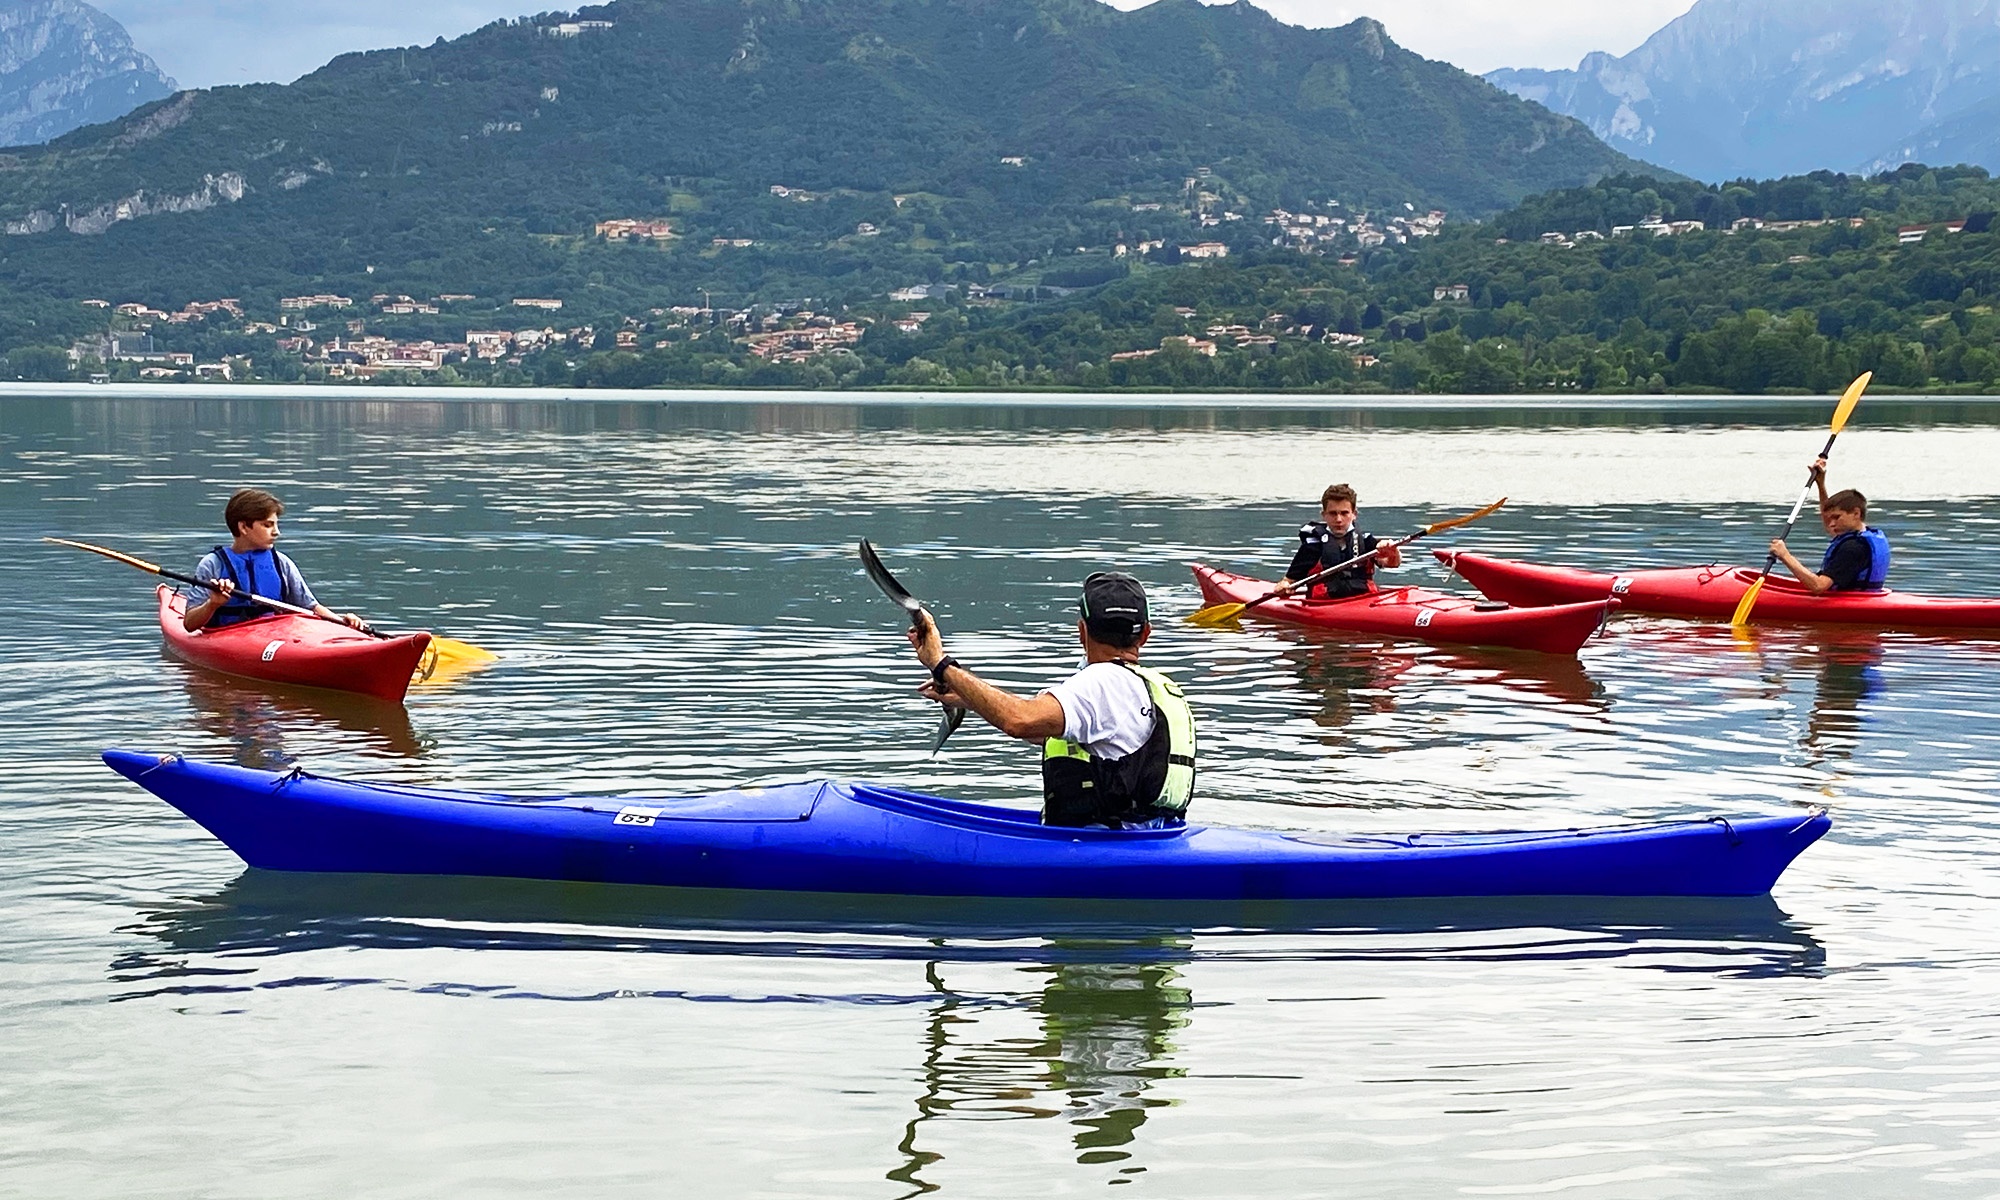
<point x="969" y="132"/>
<point x="64" y="65"/>
<point x="1759" y="88"/>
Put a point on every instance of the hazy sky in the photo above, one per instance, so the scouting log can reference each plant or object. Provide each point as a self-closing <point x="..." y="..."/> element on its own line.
<point x="206" y="42"/>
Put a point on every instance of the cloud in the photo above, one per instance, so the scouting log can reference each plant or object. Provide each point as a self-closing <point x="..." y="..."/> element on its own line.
<point x="203" y="43"/>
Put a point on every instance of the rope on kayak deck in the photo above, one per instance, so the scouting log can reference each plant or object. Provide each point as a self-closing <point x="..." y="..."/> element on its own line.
<point x="175" y="757"/>
<point x="1815" y="813"/>
<point x="1734" y="838"/>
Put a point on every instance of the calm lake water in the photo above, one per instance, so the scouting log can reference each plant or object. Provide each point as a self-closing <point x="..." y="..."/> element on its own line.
<point x="674" y="594"/>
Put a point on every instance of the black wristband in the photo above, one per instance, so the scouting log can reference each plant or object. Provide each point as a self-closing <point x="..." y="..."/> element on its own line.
<point x="937" y="673"/>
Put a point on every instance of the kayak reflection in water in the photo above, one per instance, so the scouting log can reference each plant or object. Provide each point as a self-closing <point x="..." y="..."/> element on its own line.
<point x="1107" y="1021"/>
<point x="1118" y="738"/>
<point x="251" y="563"/>
<point x="1333" y="540"/>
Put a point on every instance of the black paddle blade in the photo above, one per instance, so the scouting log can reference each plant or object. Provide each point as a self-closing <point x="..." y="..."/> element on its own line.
<point x="948" y="724"/>
<point x="871" y="562"/>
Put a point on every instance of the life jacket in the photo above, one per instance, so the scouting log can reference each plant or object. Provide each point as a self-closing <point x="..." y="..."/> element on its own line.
<point x="256" y="572"/>
<point x="1154" y="781"/>
<point x="1876" y="577"/>
<point x="1333" y="550"/>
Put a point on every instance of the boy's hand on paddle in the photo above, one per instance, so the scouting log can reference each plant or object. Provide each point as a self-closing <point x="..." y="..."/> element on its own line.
<point x="354" y="621"/>
<point x="1779" y="548"/>
<point x="1818" y="469"/>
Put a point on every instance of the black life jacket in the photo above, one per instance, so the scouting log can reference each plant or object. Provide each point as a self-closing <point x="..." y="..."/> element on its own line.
<point x="1334" y="549"/>
<point x="1154" y="781"/>
<point x="256" y="572"/>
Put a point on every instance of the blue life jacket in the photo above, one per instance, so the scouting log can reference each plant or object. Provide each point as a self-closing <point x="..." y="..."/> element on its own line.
<point x="256" y="572"/>
<point x="1877" y="576"/>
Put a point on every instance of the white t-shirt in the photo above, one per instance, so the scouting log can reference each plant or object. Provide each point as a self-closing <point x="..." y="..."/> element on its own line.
<point x="1106" y="710"/>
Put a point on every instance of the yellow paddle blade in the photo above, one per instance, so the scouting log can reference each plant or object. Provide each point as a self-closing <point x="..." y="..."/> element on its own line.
<point x="1848" y="401"/>
<point x="453" y="652"/>
<point x="1216" y="614"/>
<point x="448" y="659"/>
<point x="1467" y="519"/>
<point x="1748" y="602"/>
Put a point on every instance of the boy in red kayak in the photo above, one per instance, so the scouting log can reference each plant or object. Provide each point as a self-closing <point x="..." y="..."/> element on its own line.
<point x="1857" y="560"/>
<point x="251" y="563"/>
<point x="1332" y="540"/>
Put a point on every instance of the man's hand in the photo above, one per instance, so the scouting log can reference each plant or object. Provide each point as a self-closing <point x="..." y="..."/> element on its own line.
<point x="947" y="697"/>
<point x="926" y="641"/>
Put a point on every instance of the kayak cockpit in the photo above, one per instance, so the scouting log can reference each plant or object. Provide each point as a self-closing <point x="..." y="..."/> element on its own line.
<point x="987" y="818"/>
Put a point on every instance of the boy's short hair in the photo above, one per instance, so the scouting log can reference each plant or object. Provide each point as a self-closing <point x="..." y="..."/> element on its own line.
<point x="1339" y="491"/>
<point x="250" y="505"/>
<point x="1847" y="501"/>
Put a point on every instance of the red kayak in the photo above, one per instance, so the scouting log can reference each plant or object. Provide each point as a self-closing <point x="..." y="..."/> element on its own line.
<point x="302" y="651"/>
<point x="1421" y="615"/>
<point x="1714" y="591"/>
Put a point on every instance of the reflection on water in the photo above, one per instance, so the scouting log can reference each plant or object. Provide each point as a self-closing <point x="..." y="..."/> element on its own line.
<point x="254" y="717"/>
<point x="261" y="917"/>
<point x="1104" y="1039"/>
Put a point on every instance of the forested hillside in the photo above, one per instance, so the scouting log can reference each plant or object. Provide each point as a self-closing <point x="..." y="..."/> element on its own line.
<point x="960" y="133"/>
<point x="1799" y="284"/>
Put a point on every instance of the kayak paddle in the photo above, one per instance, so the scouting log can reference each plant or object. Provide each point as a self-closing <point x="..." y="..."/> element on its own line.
<point x="871" y="562"/>
<point x="450" y="651"/>
<point x="1219" y="614"/>
<point x="1840" y="416"/>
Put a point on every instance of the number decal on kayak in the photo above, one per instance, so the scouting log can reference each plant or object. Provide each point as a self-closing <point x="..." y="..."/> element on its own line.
<point x="635" y="816"/>
<point x="1425" y="617"/>
<point x="1620" y="585"/>
<point x="271" y="651"/>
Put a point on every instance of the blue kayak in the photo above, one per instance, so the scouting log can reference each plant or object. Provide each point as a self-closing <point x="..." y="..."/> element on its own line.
<point x="866" y="839"/>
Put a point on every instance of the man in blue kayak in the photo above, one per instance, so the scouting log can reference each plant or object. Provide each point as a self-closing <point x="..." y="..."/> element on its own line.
<point x="1333" y="540"/>
<point x="1117" y="738"/>
<point x="251" y="564"/>
<point x="1857" y="559"/>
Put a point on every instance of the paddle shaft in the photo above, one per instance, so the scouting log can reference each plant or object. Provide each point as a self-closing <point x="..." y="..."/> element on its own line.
<point x="1812" y="480"/>
<point x="177" y="577"/>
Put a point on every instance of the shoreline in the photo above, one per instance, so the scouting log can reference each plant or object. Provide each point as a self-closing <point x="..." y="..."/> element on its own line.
<point x="749" y="398"/>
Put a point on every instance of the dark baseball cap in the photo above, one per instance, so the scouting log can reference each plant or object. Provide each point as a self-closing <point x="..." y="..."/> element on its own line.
<point x="1114" y="599"/>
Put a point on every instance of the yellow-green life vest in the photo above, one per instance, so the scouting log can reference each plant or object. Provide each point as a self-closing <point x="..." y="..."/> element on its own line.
<point x="1157" y="780"/>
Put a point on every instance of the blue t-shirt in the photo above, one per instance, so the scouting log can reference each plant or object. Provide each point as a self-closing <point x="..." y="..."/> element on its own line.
<point x="292" y="587"/>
